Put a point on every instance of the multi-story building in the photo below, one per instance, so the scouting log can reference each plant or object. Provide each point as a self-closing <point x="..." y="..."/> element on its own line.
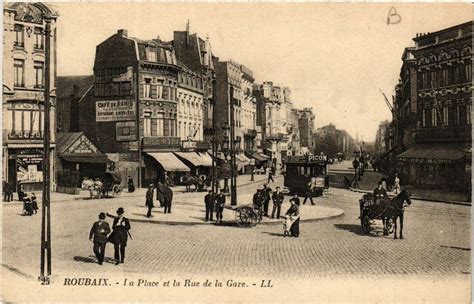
<point x="381" y="143"/>
<point x="132" y="111"/>
<point x="23" y="92"/>
<point x="440" y="156"/>
<point x="195" y="106"/>
<point x="249" y="110"/>
<point x="306" y="128"/>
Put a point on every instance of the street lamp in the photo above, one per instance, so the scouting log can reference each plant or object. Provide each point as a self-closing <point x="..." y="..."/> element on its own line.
<point x="225" y="150"/>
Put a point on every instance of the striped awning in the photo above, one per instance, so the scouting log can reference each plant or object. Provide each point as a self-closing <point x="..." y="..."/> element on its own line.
<point x="169" y="162"/>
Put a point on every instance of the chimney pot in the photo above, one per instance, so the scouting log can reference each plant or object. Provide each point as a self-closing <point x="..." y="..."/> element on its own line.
<point x="122" y="32"/>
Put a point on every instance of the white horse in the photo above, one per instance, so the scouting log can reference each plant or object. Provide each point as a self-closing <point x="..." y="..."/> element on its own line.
<point x="94" y="187"/>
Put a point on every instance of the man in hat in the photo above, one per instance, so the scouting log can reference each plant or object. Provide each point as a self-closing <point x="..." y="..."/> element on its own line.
<point x="277" y="198"/>
<point x="220" y="202"/>
<point x="168" y="197"/>
<point x="98" y="236"/>
<point x="209" y="202"/>
<point x="131" y="185"/>
<point x="266" y="194"/>
<point x="149" y="200"/>
<point x="120" y="234"/>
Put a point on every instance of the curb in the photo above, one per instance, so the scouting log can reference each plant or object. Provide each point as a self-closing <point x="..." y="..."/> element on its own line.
<point x="176" y="223"/>
<point x="420" y="198"/>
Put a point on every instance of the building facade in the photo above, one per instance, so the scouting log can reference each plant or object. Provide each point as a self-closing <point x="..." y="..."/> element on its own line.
<point x="440" y="156"/>
<point x="249" y="110"/>
<point x="306" y="120"/>
<point x="23" y="93"/>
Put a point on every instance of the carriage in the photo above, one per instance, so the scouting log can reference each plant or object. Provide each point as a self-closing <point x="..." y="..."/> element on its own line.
<point x="248" y="215"/>
<point x="388" y="210"/>
<point x="106" y="182"/>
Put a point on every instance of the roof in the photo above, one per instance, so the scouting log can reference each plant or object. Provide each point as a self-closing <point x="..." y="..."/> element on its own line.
<point x="64" y="140"/>
<point x="66" y="85"/>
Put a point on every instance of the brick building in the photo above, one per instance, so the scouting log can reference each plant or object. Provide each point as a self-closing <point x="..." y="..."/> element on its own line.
<point x="23" y="93"/>
<point x="440" y="156"/>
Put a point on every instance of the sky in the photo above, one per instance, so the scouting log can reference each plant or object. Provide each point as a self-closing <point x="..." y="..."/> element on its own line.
<point x="334" y="57"/>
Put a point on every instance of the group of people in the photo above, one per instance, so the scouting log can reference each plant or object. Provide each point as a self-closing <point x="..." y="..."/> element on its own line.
<point x="381" y="191"/>
<point x="214" y="203"/>
<point x="261" y="200"/>
<point x="164" y="195"/>
<point x="30" y="205"/>
<point x="100" y="234"/>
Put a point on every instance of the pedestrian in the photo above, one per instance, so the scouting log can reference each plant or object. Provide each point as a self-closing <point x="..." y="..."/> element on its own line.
<point x="396" y="184"/>
<point x="252" y="173"/>
<point x="34" y="203"/>
<point x="277" y="198"/>
<point x="220" y="202"/>
<point x="131" y="185"/>
<point x="27" y="205"/>
<point x="168" y="197"/>
<point x="309" y="193"/>
<point x="7" y="192"/>
<point x="21" y="193"/>
<point x="295" y="199"/>
<point x="209" y="202"/>
<point x="149" y="200"/>
<point x="119" y="236"/>
<point x="257" y="202"/>
<point x="266" y="193"/>
<point x="270" y="176"/>
<point x="167" y="179"/>
<point x="292" y="222"/>
<point x="98" y="235"/>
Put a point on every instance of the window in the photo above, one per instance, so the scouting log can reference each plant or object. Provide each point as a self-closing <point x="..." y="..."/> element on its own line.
<point x="147" y="88"/>
<point x="151" y="54"/>
<point x="19" y="66"/>
<point x="19" y="35"/>
<point x="147" y="123"/>
<point x="445" y="116"/>
<point x="157" y="127"/>
<point x="457" y="116"/>
<point x="39" y="38"/>
<point x="444" y="74"/>
<point x="39" y="74"/>
<point x="434" y="119"/>
<point x="468" y="72"/>
<point x="468" y="114"/>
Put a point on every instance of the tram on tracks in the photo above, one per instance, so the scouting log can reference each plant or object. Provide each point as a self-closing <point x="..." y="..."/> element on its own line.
<point x="301" y="170"/>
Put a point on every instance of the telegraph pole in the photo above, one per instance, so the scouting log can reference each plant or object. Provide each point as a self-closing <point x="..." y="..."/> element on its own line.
<point x="215" y="145"/>
<point x="233" y="177"/>
<point x="45" y="208"/>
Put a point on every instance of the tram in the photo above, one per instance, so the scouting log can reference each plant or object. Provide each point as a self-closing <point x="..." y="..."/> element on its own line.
<point x="301" y="170"/>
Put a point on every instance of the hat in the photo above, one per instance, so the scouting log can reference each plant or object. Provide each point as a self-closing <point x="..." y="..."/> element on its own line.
<point x="150" y="185"/>
<point x="102" y="215"/>
<point x="120" y="211"/>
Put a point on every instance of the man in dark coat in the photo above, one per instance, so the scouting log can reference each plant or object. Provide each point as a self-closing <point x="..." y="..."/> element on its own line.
<point x="209" y="202"/>
<point x="257" y="199"/>
<point x="220" y="202"/>
<point x="168" y="197"/>
<point x="309" y="193"/>
<point x="120" y="235"/>
<point x="131" y="186"/>
<point x="270" y="176"/>
<point x="266" y="193"/>
<point x="379" y="193"/>
<point x="295" y="199"/>
<point x="98" y="235"/>
<point x="149" y="200"/>
<point x="277" y="198"/>
<point x="7" y="192"/>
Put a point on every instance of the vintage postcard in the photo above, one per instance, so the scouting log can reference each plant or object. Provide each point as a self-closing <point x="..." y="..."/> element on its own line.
<point x="236" y="152"/>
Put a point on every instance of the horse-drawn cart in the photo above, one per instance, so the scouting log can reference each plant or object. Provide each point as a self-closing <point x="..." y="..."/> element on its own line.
<point x="248" y="215"/>
<point x="388" y="210"/>
<point x="106" y="182"/>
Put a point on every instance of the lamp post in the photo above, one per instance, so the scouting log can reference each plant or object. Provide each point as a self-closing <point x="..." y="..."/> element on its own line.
<point x="233" y="187"/>
<point x="45" y="206"/>
<point x="225" y="150"/>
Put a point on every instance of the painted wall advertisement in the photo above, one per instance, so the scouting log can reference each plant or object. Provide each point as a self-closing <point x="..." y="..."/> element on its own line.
<point x="115" y="110"/>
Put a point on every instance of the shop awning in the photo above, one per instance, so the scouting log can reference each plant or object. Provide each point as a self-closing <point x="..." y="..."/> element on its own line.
<point x="432" y="153"/>
<point x="258" y="156"/>
<point x="206" y="158"/>
<point x="193" y="158"/>
<point x="82" y="158"/>
<point x="241" y="158"/>
<point x="169" y="161"/>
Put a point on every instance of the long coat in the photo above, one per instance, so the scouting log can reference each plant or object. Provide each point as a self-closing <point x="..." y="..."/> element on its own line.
<point x="120" y="232"/>
<point x="99" y="232"/>
<point x="168" y="195"/>
<point x="277" y="198"/>
<point x="149" y="198"/>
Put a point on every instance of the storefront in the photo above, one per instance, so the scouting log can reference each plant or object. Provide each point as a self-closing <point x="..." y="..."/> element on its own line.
<point x="434" y="166"/>
<point x="199" y="165"/>
<point x="157" y="164"/>
<point x="25" y="168"/>
<point x="77" y="158"/>
<point x="261" y="160"/>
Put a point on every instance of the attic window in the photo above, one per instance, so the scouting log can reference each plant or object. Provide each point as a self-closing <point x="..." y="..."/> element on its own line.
<point x="151" y="53"/>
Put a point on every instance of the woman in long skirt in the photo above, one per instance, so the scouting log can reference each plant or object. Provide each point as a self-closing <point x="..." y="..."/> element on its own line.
<point x="292" y="222"/>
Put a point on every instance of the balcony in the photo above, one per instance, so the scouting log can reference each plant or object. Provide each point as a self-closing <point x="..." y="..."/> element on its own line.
<point x="161" y="143"/>
<point x="447" y="134"/>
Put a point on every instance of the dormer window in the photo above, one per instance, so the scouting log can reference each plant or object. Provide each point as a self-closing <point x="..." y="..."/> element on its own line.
<point x="151" y="53"/>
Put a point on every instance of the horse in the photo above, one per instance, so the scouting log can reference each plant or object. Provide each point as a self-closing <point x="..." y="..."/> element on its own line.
<point x="192" y="181"/>
<point x="395" y="210"/>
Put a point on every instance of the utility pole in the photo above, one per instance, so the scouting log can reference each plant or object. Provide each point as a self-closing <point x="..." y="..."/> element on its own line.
<point x="45" y="206"/>
<point x="233" y="176"/>
<point x="215" y="145"/>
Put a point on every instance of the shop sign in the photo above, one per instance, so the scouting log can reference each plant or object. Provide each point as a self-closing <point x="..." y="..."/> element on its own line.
<point x="115" y="110"/>
<point x="125" y="131"/>
<point x="317" y="158"/>
<point x="82" y="146"/>
<point x="189" y="144"/>
<point x="426" y="160"/>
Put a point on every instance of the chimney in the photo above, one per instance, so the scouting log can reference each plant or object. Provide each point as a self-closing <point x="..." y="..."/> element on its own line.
<point x="122" y="32"/>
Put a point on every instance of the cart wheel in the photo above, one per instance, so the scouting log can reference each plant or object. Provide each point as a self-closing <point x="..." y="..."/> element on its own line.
<point x="116" y="190"/>
<point x="244" y="217"/>
<point x="366" y="224"/>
